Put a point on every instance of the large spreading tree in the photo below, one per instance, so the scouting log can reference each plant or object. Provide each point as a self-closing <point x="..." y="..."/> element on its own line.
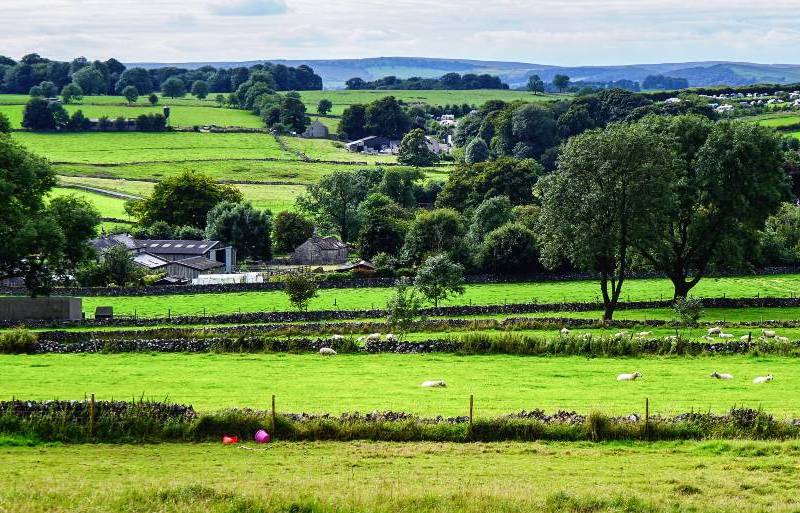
<point x="609" y="196"/>
<point x="183" y="200"/>
<point x="730" y="179"/>
<point x="38" y="240"/>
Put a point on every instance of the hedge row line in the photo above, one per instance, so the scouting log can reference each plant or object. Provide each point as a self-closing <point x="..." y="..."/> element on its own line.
<point x="442" y="311"/>
<point x="469" y="343"/>
<point x="348" y="283"/>
<point x="72" y="423"/>
<point x="321" y="329"/>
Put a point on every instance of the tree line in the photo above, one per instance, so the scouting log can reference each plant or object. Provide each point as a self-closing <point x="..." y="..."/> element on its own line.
<point x="112" y="77"/>
<point x="449" y="81"/>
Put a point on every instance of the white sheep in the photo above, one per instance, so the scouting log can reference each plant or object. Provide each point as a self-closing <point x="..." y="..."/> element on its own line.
<point x="725" y="335"/>
<point x="327" y="351"/>
<point x="644" y="333"/>
<point x="374" y="337"/>
<point x="768" y="333"/>
<point x="391" y="337"/>
<point x="337" y="338"/>
<point x="762" y="379"/>
<point x="716" y="330"/>
<point x="718" y="375"/>
<point x="434" y="384"/>
<point x="565" y="331"/>
<point x="628" y="377"/>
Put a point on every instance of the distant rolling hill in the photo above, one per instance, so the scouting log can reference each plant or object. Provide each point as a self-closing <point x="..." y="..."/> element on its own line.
<point x="335" y="72"/>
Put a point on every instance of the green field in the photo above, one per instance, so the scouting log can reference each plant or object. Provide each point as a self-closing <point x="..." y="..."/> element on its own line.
<point x="490" y="294"/>
<point x="273" y="197"/>
<point x="180" y="115"/>
<point x="501" y="384"/>
<point x="342" y="98"/>
<point x="783" y="120"/>
<point x="116" y="147"/>
<point x="403" y="477"/>
<point x="106" y="205"/>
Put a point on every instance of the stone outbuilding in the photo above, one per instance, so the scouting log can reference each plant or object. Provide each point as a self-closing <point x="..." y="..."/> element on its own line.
<point x="320" y="251"/>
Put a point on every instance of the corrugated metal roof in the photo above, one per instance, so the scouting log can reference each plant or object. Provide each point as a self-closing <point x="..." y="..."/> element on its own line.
<point x="199" y="263"/>
<point x="178" y="247"/>
<point x="149" y="261"/>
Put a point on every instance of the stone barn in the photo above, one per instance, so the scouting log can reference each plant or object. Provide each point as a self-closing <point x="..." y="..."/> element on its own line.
<point x="320" y="251"/>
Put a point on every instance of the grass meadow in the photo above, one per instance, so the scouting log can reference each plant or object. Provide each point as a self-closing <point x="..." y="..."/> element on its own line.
<point x="273" y="197"/>
<point x="180" y="115"/>
<point x="106" y="205"/>
<point x="370" y="477"/>
<point x="131" y="147"/>
<point x="488" y="294"/>
<point x="367" y="382"/>
<point x="342" y="99"/>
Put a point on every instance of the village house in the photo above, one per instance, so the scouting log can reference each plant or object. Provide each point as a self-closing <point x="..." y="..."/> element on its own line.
<point x="316" y="130"/>
<point x="320" y="251"/>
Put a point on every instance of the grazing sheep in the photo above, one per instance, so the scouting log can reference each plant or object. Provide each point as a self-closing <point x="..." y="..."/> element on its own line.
<point x="768" y="333"/>
<point x="783" y="340"/>
<point x="717" y="375"/>
<point x="391" y="337"/>
<point x="762" y="379"/>
<point x="327" y="351"/>
<point x="337" y="338"/>
<point x="716" y="330"/>
<point x="564" y="331"/>
<point x="434" y="384"/>
<point x="374" y="337"/>
<point x="725" y="335"/>
<point x="644" y="333"/>
<point x="628" y="377"/>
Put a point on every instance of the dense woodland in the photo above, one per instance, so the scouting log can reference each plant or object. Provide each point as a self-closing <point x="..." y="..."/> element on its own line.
<point x="112" y="77"/>
<point x="449" y="81"/>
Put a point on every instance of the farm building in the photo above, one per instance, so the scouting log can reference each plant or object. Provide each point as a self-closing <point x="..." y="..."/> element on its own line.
<point x="361" y="265"/>
<point x="183" y="270"/>
<point x="320" y="251"/>
<point x="372" y="143"/>
<point x="316" y="130"/>
<point x="183" y="259"/>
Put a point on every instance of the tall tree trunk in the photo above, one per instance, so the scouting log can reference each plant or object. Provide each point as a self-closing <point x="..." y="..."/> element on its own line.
<point x="682" y="286"/>
<point x="608" y="303"/>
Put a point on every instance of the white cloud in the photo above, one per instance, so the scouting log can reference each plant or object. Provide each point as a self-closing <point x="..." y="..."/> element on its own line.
<point x="567" y="32"/>
<point x="250" y="8"/>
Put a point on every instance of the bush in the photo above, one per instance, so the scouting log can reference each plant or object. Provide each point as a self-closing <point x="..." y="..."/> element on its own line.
<point x="18" y="341"/>
<point x="688" y="311"/>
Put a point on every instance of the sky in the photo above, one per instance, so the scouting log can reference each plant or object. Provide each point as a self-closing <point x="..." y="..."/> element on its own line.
<point x="566" y="32"/>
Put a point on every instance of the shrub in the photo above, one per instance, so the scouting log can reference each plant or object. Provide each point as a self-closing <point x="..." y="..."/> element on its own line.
<point x="18" y="341"/>
<point x="688" y="311"/>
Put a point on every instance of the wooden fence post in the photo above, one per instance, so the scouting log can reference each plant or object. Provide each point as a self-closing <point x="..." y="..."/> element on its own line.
<point x="647" y="419"/>
<point x="273" y="415"/>
<point x="91" y="416"/>
<point x="471" y="412"/>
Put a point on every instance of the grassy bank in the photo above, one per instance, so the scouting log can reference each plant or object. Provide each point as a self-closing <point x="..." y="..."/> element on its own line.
<point x="410" y="477"/>
<point x="490" y="294"/>
<point x="501" y="384"/>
